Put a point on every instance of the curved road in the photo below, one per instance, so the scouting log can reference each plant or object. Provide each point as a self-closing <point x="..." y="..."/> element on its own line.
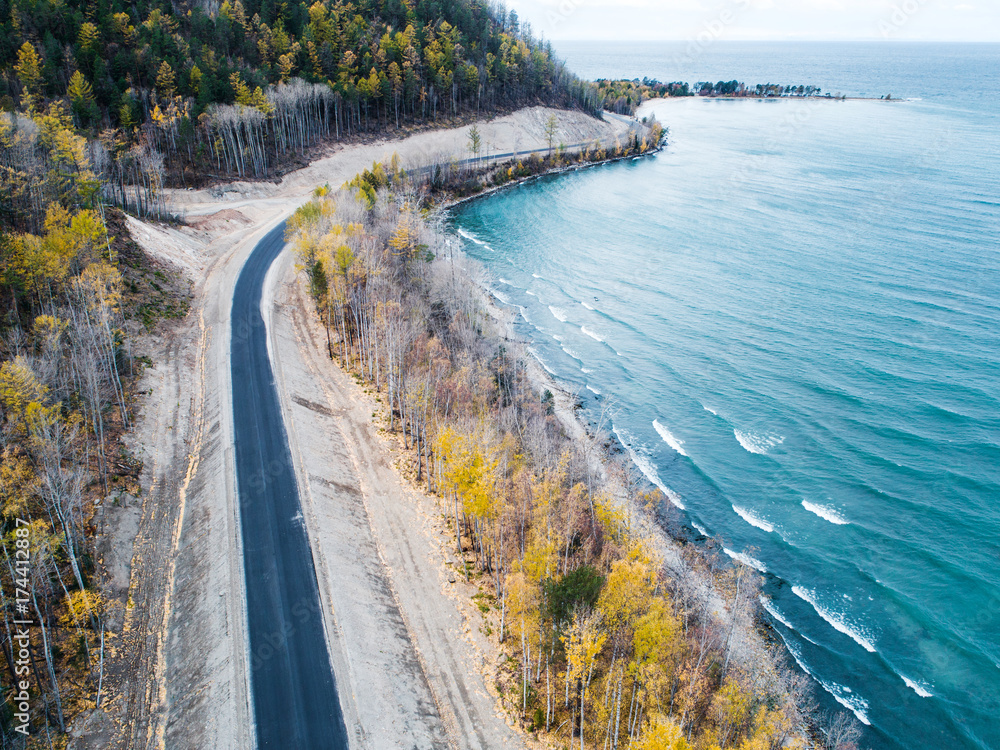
<point x="294" y="691"/>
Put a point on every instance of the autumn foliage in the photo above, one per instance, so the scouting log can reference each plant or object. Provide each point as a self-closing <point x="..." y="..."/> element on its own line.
<point x="72" y="304"/>
<point x="616" y="637"/>
<point x="188" y="90"/>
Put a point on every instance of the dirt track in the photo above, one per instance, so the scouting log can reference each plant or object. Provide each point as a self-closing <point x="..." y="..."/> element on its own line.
<point x="178" y="671"/>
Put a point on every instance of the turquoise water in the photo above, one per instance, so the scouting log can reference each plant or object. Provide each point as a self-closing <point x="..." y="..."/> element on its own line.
<point x="795" y="310"/>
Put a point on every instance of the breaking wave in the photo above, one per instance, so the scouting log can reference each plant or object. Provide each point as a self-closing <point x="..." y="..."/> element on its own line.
<point x="753" y="520"/>
<point x="827" y="514"/>
<point x="647" y="469"/>
<point x="769" y="607"/>
<point x="540" y="361"/>
<point x="472" y="238"/>
<point x="742" y="557"/>
<point x="916" y="687"/>
<point x="756" y="443"/>
<point x="835" y="620"/>
<point x="668" y="438"/>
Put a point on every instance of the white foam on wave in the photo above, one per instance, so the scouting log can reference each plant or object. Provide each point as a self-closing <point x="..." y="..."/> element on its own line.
<point x="668" y="438"/>
<point x="834" y="619"/>
<point x="592" y="335"/>
<point x="917" y="687"/>
<point x="826" y="513"/>
<point x="504" y="281"/>
<point x="573" y="354"/>
<point x="848" y="699"/>
<point x="500" y="296"/>
<point x="843" y="695"/>
<point x="558" y="313"/>
<point x="593" y="390"/>
<point x="753" y="520"/>
<point x="585" y="371"/>
<point x="797" y="655"/>
<point x="586" y="305"/>
<point x="541" y="361"/>
<point x="700" y="528"/>
<point x="769" y="607"/>
<point x="756" y="443"/>
<point x="647" y="469"/>
<point x="536" y="275"/>
<point x="472" y="238"/>
<point x="710" y="410"/>
<point x="524" y="314"/>
<point x="528" y="291"/>
<point x="745" y="559"/>
<point x="557" y="337"/>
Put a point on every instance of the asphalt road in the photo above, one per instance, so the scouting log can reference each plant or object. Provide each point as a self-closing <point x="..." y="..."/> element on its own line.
<point x="293" y="686"/>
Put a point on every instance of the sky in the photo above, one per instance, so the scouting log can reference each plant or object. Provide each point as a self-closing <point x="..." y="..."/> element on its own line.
<point x="906" y="20"/>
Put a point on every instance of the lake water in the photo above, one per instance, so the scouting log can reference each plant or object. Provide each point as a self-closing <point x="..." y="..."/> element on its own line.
<point x="795" y="309"/>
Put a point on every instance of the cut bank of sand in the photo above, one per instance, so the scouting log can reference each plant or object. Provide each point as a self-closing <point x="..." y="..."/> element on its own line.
<point x="178" y="672"/>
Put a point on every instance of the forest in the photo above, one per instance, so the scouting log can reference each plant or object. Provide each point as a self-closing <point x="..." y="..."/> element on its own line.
<point x="612" y="639"/>
<point x="161" y="89"/>
<point x="624" y="96"/>
<point x="76" y="294"/>
<point x="106" y="104"/>
<point x="103" y="106"/>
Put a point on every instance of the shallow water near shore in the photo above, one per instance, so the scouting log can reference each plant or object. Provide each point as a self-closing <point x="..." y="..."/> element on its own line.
<point x="796" y="310"/>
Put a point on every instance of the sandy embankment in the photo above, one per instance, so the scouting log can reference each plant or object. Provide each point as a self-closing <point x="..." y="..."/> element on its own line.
<point x="178" y="671"/>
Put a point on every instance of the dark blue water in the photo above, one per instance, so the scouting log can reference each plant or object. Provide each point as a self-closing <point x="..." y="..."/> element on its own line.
<point x="796" y="312"/>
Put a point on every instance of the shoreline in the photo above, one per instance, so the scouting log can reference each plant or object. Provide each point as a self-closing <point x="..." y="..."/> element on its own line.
<point x="601" y="451"/>
<point x="187" y="481"/>
<point x="451" y="203"/>
<point x="823" y="98"/>
<point x="623" y="514"/>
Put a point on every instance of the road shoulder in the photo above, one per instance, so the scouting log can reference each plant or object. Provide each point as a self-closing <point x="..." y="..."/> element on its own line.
<point x="400" y="644"/>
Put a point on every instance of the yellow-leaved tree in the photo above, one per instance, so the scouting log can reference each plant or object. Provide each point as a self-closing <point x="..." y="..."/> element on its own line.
<point x="583" y="643"/>
<point x="29" y="70"/>
<point x="660" y="733"/>
<point x="657" y="650"/>
<point x="19" y="390"/>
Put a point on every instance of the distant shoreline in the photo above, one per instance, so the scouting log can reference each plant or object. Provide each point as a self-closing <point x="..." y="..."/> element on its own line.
<point x="823" y="98"/>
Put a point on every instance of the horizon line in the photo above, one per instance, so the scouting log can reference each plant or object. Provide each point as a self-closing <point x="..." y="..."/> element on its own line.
<point x="841" y="40"/>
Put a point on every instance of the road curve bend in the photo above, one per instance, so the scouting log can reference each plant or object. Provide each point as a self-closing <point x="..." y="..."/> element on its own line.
<point x="292" y="683"/>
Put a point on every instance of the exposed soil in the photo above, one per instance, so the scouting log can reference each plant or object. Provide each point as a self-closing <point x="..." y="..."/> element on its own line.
<point x="177" y="668"/>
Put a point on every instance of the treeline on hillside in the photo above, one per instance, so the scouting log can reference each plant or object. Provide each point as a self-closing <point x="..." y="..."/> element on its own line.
<point x="610" y="643"/>
<point x="624" y="96"/>
<point x="243" y="85"/>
